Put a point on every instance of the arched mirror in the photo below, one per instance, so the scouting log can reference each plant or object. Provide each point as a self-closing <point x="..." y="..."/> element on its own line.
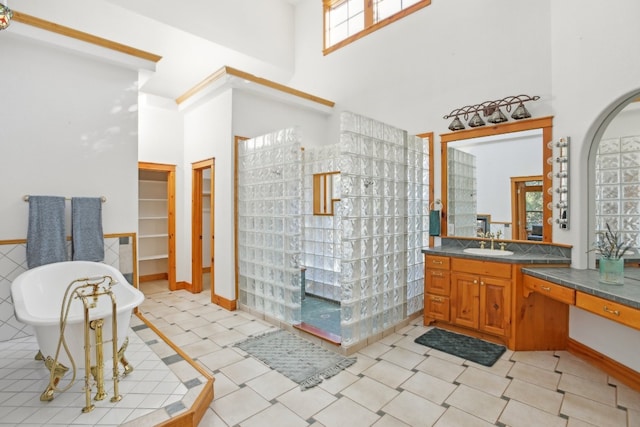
<point x="498" y="178"/>
<point x="614" y="175"/>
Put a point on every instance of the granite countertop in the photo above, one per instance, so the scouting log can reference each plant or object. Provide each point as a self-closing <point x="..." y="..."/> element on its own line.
<point x="518" y="257"/>
<point x="587" y="281"/>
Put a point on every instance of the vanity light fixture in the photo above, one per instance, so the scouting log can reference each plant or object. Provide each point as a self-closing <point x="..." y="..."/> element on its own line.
<point x="492" y="110"/>
<point x="5" y="16"/>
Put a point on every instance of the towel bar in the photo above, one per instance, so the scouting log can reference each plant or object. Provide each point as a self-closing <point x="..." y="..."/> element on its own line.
<point x="103" y="198"/>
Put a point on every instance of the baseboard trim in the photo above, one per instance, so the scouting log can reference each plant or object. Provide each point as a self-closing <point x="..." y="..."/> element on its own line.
<point x="621" y="372"/>
<point x="227" y="304"/>
<point x="152" y="277"/>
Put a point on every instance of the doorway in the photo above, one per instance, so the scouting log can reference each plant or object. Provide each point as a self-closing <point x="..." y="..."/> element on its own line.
<point x="156" y="224"/>
<point x="202" y="228"/>
<point x="527" y="207"/>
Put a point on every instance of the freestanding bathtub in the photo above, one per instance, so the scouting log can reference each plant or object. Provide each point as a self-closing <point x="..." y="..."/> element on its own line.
<point x="38" y="296"/>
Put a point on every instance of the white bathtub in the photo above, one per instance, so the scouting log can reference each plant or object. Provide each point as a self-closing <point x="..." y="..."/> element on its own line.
<point x="38" y="297"/>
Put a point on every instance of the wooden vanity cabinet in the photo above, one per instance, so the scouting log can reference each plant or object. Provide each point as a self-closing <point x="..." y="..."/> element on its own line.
<point x="437" y="288"/>
<point x="481" y="296"/>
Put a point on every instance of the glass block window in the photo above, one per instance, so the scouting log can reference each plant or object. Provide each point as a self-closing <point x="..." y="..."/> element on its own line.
<point x="618" y="187"/>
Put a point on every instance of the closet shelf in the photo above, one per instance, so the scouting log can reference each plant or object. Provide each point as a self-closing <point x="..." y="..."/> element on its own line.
<point x="150" y="236"/>
<point x="152" y="217"/>
<point x="151" y="257"/>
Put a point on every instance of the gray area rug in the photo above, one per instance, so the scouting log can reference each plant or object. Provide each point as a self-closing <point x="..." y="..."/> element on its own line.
<point x="301" y="361"/>
<point x="474" y="349"/>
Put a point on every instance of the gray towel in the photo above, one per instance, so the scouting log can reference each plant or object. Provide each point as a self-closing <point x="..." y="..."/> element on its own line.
<point x="87" y="240"/>
<point x="45" y="236"/>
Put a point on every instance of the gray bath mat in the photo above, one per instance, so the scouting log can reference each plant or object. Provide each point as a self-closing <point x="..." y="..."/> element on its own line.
<point x="469" y="348"/>
<point x="296" y="358"/>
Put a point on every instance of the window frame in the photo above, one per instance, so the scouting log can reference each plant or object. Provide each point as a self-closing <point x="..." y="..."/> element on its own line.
<point x="369" y="25"/>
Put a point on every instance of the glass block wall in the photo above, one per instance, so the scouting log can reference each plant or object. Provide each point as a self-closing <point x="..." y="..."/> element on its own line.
<point x="618" y="187"/>
<point x="374" y="209"/>
<point x="270" y="224"/>
<point x="321" y="234"/>
<point x="417" y="219"/>
<point x="462" y="193"/>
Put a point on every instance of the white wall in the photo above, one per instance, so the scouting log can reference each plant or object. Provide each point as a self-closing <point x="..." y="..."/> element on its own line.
<point x="69" y="128"/>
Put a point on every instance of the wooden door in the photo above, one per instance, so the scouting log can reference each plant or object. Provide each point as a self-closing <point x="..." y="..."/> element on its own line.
<point x="495" y="298"/>
<point x="465" y="299"/>
<point x="202" y="225"/>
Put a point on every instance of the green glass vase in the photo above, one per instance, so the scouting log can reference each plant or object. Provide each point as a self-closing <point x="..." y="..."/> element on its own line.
<point x="611" y="271"/>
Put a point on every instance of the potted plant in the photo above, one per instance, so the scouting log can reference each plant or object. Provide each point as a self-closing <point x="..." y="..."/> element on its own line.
<point x="611" y="250"/>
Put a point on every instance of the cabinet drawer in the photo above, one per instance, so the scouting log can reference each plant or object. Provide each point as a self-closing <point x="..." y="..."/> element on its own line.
<point x="484" y="268"/>
<point x="437" y="282"/>
<point x="436" y="307"/>
<point x="436" y="262"/>
<point x="611" y="310"/>
<point x="551" y="290"/>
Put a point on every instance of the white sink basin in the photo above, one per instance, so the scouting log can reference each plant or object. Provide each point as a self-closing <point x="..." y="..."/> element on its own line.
<point x="487" y="252"/>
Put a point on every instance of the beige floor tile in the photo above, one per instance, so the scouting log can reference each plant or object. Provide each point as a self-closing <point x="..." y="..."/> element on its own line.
<point x="275" y="416"/>
<point x="477" y="403"/>
<point x="308" y="402"/>
<point x="501" y="367"/>
<point x="454" y="417"/>
<point x="598" y="391"/>
<point x="628" y="397"/>
<point x="227" y="338"/>
<point x="573" y="422"/>
<point x="239" y="405"/>
<point x="633" y="417"/>
<point x="185" y="338"/>
<point x="208" y="330"/>
<point x="592" y="412"/>
<point x="429" y="387"/>
<point x="517" y="414"/>
<point x="345" y="412"/>
<point x="271" y="384"/>
<point x="534" y="395"/>
<point x="375" y="350"/>
<point x="446" y="356"/>
<point x="388" y="373"/>
<point x="542" y="359"/>
<point x="409" y="343"/>
<point x="389" y="421"/>
<point x="254" y="327"/>
<point x="200" y="348"/>
<point x="245" y="370"/>
<point x="484" y="381"/>
<point x="219" y="359"/>
<point x="402" y="357"/>
<point x="223" y="386"/>
<point x="573" y="365"/>
<point x="441" y="368"/>
<point x="233" y="321"/>
<point x="391" y="339"/>
<point x="370" y="394"/>
<point x="211" y="419"/>
<point x="339" y="382"/>
<point x="413" y="409"/>
<point x="362" y="363"/>
<point x="535" y="375"/>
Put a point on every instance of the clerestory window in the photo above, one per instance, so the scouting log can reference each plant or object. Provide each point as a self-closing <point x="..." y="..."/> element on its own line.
<point x="348" y="20"/>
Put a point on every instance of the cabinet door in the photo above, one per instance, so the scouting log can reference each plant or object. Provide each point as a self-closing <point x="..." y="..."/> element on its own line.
<point x="465" y="296"/>
<point x="436" y="307"/>
<point x="437" y="282"/>
<point x="495" y="303"/>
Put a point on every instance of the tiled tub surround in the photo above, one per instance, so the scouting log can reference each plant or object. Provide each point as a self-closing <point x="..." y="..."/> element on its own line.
<point x="118" y="252"/>
<point x="162" y="385"/>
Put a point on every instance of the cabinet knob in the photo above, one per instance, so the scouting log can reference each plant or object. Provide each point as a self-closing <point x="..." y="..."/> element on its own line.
<point x="475" y="282"/>
<point x="481" y="283"/>
<point x="545" y="288"/>
<point x="436" y="262"/>
<point x="436" y="273"/>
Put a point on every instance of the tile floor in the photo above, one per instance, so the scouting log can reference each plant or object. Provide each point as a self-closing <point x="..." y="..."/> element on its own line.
<point x="161" y="385"/>
<point x="395" y="381"/>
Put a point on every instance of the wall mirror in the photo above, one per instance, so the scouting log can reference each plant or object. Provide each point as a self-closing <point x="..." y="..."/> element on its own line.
<point x="484" y="172"/>
<point x="614" y="176"/>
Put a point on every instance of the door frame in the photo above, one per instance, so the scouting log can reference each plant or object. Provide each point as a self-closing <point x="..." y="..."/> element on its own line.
<point x="170" y="170"/>
<point x="518" y="206"/>
<point x="197" y="176"/>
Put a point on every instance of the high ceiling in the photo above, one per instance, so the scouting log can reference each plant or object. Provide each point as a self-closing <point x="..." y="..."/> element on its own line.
<point x="194" y="37"/>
